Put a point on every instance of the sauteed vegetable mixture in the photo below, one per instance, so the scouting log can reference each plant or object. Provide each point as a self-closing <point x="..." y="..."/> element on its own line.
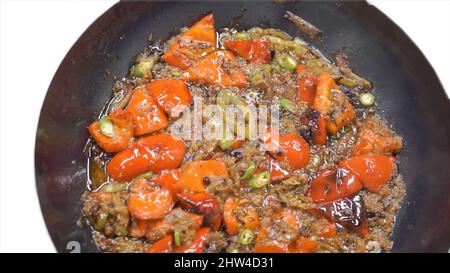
<point x="330" y="183"/>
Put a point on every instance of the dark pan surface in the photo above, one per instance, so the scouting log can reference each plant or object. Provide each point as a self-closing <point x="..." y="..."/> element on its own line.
<point x="408" y="90"/>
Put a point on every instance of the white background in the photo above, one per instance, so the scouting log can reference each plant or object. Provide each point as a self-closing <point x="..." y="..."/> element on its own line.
<point x="49" y="29"/>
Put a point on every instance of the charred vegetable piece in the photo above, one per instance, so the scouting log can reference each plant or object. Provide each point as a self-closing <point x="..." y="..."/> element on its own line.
<point x="254" y="51"/>
<point x="375" y="137"/>
<point x="171" y="94"/>
<point x="316" y="126"/>
<point x="217" y="68"/>
<point x="332" y="104"/>
<point x="113" y="134"/>
<point x="333" y="183"/>
<point x="372" y="170"/>
<point x="259" y="180"/>
<point x="153" y="153"/>
<point x="349" y="212"/>
<point x="148" y="116"/>
<point x="165" y="245"/>
<point x="192" y="177"/>
<point x="302" y="25"/>
<point x="205" y="204"/>
<point x="193" y="44"/>
<point x="149" y="200"/>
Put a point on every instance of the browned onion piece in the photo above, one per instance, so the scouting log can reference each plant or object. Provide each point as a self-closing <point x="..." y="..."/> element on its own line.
<point x="122" y="95"/>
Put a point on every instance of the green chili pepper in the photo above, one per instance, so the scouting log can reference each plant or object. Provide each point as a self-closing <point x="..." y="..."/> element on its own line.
<point x="367" y="99"/>
<point x="246" y="237"/>
<point x="147" y="175"/>
<point x="288" y="62"/>
<point x="249" y="171"/>
<point x="106" y="127"/>
<point x="226" y="144"/>
<point x="177" y="236"/>
<point x="144" y="66"/>
<point x="242" y="35"/>
<point x="287" y="105"/>
<point x="259" y="180"/>
<point x="114" y="187"/>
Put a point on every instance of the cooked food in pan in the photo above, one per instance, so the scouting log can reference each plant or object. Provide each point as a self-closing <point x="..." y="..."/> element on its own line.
<point x="323" y="178"/>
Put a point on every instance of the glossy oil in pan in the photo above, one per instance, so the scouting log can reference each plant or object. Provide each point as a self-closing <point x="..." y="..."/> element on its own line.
<point x="409" y="94"/>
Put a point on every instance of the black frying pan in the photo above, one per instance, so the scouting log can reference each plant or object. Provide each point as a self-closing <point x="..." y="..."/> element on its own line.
<point x="408" y="93"/>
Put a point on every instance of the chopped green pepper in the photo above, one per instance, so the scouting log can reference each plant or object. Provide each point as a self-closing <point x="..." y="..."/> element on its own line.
<point x="288" y="62"/>
<point x="246" y="237"/>
<point x="287" y="105"/>
<point x="259" y="180"/>
<point x="367" y="99"/>
<point x="114" y="187"/>
<point x="242" y="35"/>
<point x="249" y="171"/>
<point x="177" y="236"/>
<point x="106" y="127"/>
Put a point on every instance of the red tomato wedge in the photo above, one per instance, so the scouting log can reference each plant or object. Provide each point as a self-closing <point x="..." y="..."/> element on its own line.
<point x="332" y="104"/>
<point x="153" y="153"/>
<point x="192" y="177"/>
<point x="333" y="183"/>
<point x="165" y="245"/>
<point x="168" y="179"/>
<point x="195" y="43"/>
<point x="149" y="200"/>
<point x="123" y="131"/>
<point x="233" y="224"/>
<point x="292" y="148"/>
<point x="372" y="170"/>
<point x="148" y="116"/>
<point x="171" y="94"/>
<point x="218" y="68"/>
<point x="307" y="85"/>
<point x="205" y="204"/>
<point x="254" y="51"/>
<point x="198" y="244"/>
<point x="277" y="172"/>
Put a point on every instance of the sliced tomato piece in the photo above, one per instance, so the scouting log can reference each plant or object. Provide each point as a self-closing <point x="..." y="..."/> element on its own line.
<point x="148" y="116"/>
<point x="149" y="200"/>
<point x="198" y="244"/>
<point x="171" y="94"/>
<point x="233" y="224"/>
<point x="165" y="245"/>
<point x="217" y="68"/>
<point x="195" y="43"/>
<point x="123" y="131"/>
<point x="303" y="245"/>
<point x="333" y="183"/>
<point x="168" y="179"/>
<point x="192" y="177"/>
<point x="349" y="212"/>
<point x="277" y="171"/>
<point x="372" y="170"/>
<point x="153" y="153"/>
<point x="307" y="85"/>
<point x="254" y="51"/>
<point x="332" y="104"/>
